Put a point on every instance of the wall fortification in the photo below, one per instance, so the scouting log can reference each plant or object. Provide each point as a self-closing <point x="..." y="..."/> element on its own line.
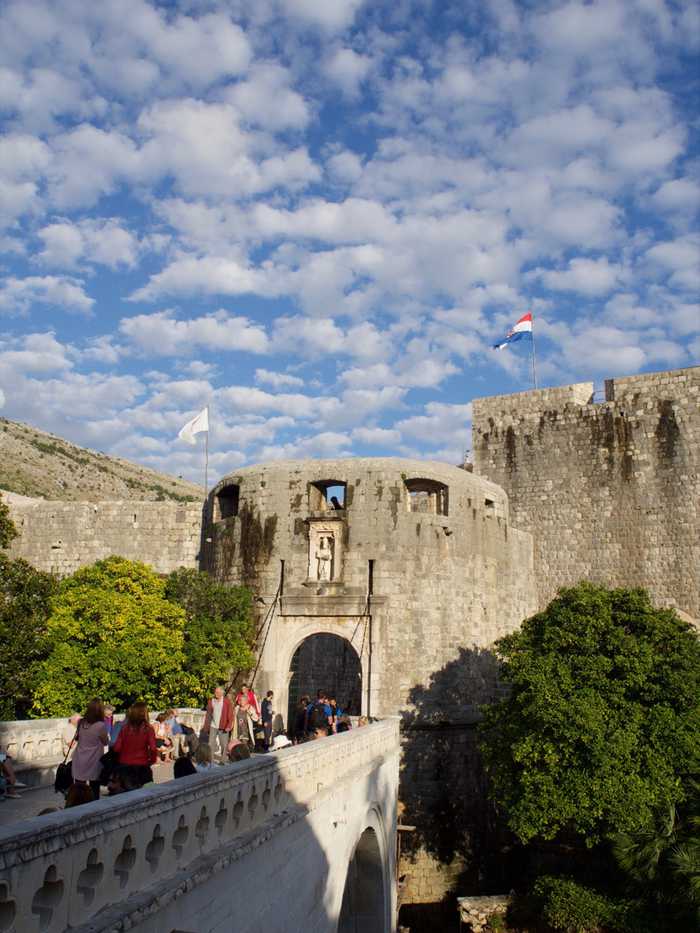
<point x="609" y="490"/>
<point x="60" y="537"/>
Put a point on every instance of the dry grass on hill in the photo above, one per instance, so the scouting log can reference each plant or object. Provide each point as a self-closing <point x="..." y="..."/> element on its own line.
<point x="34" y="463"/>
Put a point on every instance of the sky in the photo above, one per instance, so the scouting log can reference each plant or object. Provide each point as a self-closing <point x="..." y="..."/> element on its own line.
<point x="318" y="216"/>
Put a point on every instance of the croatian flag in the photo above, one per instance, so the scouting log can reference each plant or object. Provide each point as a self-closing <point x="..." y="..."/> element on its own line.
<point x="521" y="330"/>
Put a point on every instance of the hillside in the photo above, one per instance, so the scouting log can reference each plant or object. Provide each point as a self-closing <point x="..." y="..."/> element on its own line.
<point x="33" y="463"/>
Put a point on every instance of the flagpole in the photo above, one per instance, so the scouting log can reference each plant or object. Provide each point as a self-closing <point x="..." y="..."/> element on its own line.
<point x="206" y="458"/>
<point x="534" y="366"/>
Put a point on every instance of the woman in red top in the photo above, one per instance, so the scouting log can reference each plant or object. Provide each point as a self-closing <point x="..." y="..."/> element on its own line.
<point x="136" y="746"/>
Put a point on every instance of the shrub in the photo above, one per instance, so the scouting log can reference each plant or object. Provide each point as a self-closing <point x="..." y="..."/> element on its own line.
<point x="572" y="907"/>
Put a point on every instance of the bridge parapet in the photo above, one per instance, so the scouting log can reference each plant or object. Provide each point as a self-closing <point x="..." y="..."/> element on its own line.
<point x="30" y="740"/>
<point x="112" y="864"/>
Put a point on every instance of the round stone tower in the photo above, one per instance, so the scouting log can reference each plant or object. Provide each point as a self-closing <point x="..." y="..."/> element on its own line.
<point x="396" y="563"/>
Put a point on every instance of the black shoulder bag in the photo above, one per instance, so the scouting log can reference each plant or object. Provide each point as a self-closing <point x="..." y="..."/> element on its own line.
<point x="64" y="772"/>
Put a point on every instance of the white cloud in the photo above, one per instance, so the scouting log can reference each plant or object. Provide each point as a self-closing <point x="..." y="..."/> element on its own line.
<point x="20" y="295"/>
<point x="161" y="334"/>
<point x="247" y="399"/>
<point x="585" y="276"/>
<point x="277" y="380"/>
<point x="331" y="15"/>
<point x="348" y="69"/>
<point x="680" y="258"/>
<point x="377" y="437"/>
<point x="266" y="99"/>
<point x="345" y="166"/>
<point x="105" y="242"/>
<point x="36" y="353"/>
<point x="209" y="275"/>
<point x="440" y="423"/>
<point x="89" y="162"/>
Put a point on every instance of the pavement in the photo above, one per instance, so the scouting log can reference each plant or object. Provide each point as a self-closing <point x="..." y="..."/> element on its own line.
<point x="35" y="799"/>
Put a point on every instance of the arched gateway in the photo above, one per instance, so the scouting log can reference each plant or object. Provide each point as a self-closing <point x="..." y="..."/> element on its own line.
<point x="328" y="662"/>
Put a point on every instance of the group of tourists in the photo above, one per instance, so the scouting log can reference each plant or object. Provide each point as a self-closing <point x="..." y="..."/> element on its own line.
<point x="120" y="754"/>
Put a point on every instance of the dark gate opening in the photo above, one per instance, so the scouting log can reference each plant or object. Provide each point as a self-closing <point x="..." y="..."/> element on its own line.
<point x="330" y="663"/>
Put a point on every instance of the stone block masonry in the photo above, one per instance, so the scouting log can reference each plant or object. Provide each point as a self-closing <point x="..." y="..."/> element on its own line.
<point x="610" y="491"/>
<point x="60" y="537"/>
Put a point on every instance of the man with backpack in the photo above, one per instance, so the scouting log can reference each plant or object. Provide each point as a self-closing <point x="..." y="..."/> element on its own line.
<point x="319" y="714"/>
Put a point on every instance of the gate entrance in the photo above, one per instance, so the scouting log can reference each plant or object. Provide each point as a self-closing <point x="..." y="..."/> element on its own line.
<point x="330" y="663"/>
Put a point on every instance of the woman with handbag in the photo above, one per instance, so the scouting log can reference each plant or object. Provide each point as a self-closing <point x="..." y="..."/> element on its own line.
<point x="91" y="739"/>
<point x="136" y="746"/>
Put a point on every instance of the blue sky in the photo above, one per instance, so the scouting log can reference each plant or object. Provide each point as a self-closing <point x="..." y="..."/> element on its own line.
<point x="317" y="216"/>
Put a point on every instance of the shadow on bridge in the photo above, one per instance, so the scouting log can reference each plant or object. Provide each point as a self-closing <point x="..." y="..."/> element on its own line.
<point x="459" y="844"/>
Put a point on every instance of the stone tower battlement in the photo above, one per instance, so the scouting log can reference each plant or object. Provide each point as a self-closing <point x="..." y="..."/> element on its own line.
<point x="609" y="490"/>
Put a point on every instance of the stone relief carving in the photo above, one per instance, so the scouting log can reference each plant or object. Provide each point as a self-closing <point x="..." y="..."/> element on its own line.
<point x="325" y="551"/>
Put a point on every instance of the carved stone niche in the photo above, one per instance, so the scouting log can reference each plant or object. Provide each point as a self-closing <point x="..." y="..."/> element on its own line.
<point x="325" y="551"/>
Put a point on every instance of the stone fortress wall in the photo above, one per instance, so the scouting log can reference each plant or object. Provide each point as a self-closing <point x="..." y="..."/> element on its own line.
<point x="420" y="571"/>
<point x="60" y="537"/>
<point x="610" y="491"/>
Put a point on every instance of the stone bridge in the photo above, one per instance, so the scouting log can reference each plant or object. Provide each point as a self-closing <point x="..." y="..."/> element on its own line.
<point x="299" y="840"/>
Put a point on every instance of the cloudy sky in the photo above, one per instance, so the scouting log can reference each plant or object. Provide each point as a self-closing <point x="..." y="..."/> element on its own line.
<point x="317" y="216"/>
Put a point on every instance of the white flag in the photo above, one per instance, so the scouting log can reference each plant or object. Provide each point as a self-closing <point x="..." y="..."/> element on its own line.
<point x="198" y="424"/>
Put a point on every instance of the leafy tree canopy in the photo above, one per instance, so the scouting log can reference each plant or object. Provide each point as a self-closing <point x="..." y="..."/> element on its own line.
<point x="218" y="631"/>
<point x="115" y="635"/>
<point x="599" y="732"/>
<point x="7" y="526"/>
<point x="25" y="595"/>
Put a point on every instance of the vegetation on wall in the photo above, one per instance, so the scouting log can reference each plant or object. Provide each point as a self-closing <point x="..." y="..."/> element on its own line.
<point x="7" y="526"/>
<point x="595" y="749"/>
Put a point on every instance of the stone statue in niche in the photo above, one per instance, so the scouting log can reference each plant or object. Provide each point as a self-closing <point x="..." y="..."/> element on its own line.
<point x="324" y="558"/>
<point x="325" y="551"/>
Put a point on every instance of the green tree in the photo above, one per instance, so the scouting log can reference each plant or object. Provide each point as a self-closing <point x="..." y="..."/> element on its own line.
<point x="600" y="728"/>
<point x="8" y="530"/>
<point x="218" y="633"/>
<point x="113" y="634"/>
<point x="25" y="595"/>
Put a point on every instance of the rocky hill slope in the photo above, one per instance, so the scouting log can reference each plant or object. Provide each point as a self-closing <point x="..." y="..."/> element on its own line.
<point x="33" y="463"/>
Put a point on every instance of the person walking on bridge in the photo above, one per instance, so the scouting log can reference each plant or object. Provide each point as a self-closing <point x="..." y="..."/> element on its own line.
<point x="218" y="722"/>
<point x="92" y="737"/>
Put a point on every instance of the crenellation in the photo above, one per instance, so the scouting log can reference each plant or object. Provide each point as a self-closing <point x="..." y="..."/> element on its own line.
<point x="609" y="490"/>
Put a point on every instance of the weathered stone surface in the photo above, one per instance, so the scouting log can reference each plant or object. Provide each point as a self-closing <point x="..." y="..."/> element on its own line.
<point x="610" y="491"/>
<point x="59" y="537"/>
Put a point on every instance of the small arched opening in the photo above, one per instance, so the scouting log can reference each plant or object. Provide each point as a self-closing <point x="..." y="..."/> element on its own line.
<point x="326" y="662"/>
<point x="363" y="909"/>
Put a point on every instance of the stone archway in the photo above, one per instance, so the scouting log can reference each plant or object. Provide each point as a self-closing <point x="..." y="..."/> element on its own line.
<point x="328" y="662"/>
<point x="363" y="907"/>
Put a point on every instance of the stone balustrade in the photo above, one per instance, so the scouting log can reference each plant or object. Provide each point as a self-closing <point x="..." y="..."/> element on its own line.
<point x="38" y="741"/>
<point x="60" y="871"/>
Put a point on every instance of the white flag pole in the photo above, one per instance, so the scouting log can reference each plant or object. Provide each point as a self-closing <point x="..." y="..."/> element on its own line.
<point x="534" y="366"/>
<point x="206" y="458"/>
